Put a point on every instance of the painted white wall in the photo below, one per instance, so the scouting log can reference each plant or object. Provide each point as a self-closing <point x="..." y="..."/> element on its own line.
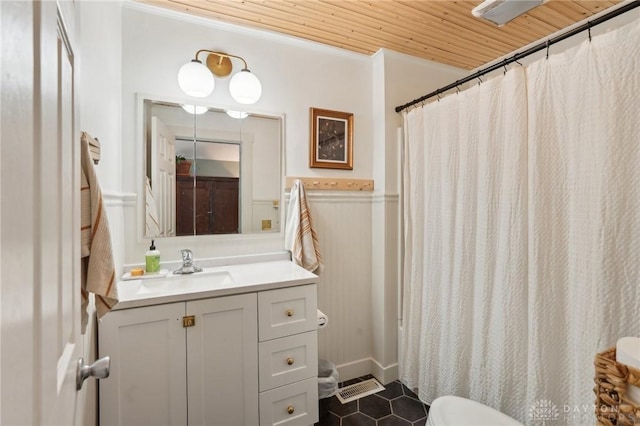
<point x="358" y="288"/>
<point x="295" y="76"/>
<point x="99" y="86"/>
<point x="398" y="78"/>
<point x="100" y="105"/>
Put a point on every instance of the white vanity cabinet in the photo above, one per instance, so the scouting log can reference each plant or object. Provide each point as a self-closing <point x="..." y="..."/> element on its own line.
<point x="191" y="360"/>
<point x="243" y="359"/>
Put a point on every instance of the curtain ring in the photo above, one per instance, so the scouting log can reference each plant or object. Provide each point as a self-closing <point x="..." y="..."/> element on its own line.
<point x="479" y="80"/>
<point x="589" y="30"/>
<point x="457" y="90"/>
<point x="438" y="95"/>
<point x="547" y="49"/>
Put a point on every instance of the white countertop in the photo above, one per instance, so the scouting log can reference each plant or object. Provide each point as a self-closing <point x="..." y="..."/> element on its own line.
<point x="212" y="282"/>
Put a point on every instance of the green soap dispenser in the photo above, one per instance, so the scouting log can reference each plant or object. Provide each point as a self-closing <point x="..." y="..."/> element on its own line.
<point x="152" y="260"/>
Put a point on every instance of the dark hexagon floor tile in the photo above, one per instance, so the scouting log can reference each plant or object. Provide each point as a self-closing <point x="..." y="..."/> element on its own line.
<point x="336" y="407"/>
<point x="329" y="419"/>
<point x="408" y="408"/>
<point x="421" y="422"/>
<point x="374" y="406"/>
<point x="409" y="392"/>
<point x="393" y="420"/>
<point x="358" y="419"/>
<point x="392" y="390"/>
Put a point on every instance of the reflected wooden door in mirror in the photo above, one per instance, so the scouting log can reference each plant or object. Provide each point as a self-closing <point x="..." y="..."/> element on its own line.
<point x="216" y="205"/>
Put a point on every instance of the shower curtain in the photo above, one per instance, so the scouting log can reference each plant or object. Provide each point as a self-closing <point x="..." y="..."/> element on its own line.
<point x="522" y="232"/>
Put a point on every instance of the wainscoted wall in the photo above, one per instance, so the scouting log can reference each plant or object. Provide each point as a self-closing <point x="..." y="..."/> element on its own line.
<point x="343" y="223"/>
<point x="357" y="230"/>
<point x="385" y="238"/>
<point x="114" y="204"/>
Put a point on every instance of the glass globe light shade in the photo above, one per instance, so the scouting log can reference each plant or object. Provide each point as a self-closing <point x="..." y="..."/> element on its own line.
<point x="195" y="79"/>
<point x="237" y="114"/>
<point x="195" y="109"/>
<point x="245" y="87"/>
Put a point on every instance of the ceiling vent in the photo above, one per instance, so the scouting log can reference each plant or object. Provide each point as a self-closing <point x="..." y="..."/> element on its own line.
<point x="502" y="11"/>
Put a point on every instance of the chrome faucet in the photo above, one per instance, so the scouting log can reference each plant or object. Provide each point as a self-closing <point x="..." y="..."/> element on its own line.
<point x="187" y="263"/>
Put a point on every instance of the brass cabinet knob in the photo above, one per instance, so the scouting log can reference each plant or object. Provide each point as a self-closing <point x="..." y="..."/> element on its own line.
<point x="289" y="312"/>
<point x="290" y="409"/>
<point x="290" y="361"/>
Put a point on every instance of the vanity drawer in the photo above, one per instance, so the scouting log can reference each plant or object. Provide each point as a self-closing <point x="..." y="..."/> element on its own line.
<point x="288" y="359"/>
<point x="287" y="311"/>
<point x="294" y="404"/>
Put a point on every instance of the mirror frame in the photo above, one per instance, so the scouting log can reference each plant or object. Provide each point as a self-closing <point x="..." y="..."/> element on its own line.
<point x="141" y="161"/>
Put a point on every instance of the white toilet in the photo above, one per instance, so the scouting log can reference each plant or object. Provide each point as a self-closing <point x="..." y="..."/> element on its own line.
<point x="456" y="411"/>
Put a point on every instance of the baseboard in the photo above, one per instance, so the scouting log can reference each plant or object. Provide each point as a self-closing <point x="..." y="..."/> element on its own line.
<point x="384" y="374"/>
<point x="366" y="366"/>
<point x="354" y="369"/>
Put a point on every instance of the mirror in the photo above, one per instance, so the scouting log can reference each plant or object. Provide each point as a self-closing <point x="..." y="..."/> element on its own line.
<point x="210" y="173"/>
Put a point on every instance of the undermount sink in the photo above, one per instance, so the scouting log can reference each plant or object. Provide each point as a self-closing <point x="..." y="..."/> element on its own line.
<point x="175" y="284"/>
<point x="223" y="280"/>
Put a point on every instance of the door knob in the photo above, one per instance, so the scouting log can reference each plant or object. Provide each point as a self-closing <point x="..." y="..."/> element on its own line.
<point x="99" y="369"/>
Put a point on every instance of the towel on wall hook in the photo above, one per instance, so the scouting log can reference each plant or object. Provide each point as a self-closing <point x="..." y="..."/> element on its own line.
<point x="98" y="269"/>
<point x="300" y="236"/>
<point x="94" y="146"/>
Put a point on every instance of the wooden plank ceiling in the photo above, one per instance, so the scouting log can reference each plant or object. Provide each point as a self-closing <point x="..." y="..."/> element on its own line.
<point x="439" y="30"/>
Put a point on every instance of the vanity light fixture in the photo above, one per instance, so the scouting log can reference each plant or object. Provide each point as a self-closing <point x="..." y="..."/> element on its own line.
<point x="196" y="79"/>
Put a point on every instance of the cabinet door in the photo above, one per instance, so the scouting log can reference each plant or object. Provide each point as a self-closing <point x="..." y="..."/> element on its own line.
<point x="148" y="366"/>
<point x="222" y="361"/>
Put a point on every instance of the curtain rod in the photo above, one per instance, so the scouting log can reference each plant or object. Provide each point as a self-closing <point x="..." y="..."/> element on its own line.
<point x="530" y="51"/>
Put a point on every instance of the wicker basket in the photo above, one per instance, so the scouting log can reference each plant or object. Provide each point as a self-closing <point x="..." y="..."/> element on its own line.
<point x="612" y="405"/>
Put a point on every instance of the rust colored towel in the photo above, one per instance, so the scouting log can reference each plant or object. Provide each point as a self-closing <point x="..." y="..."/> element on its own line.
<point x="300" y="235"/>
<point x="98" y="270"/>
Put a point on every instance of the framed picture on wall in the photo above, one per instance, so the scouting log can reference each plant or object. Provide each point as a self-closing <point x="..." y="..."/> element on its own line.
<point x="331" y="139"/>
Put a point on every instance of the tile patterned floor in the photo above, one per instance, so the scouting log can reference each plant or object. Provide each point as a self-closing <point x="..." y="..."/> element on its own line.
<point x="394" y="406"/>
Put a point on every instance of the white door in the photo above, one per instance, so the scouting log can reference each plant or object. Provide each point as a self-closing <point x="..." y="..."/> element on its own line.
<point x="163" y="175"/>
<point x="39" y="217"/>
<point x="222" y="361"/>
